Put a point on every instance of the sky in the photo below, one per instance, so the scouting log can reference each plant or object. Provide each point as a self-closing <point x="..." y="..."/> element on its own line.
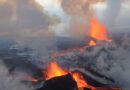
<point x="32" y="18"/>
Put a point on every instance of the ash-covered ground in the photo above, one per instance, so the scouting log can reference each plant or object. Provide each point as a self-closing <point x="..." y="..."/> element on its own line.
<point x="107" y="59"/>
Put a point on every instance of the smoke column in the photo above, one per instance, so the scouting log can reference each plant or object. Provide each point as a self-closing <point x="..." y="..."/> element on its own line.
<point x="112" y="12"/>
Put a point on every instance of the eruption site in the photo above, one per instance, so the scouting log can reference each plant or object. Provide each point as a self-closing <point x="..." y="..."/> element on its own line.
<point x="64" y="45"/>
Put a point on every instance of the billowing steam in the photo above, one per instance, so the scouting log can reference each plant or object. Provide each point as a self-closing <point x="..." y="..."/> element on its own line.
<point x="110" y="60"/>
<point x="112" y="12"/>
<point x="37" y="24"/>
<point x="8" y="82"/>
<point x="116" y="66"/>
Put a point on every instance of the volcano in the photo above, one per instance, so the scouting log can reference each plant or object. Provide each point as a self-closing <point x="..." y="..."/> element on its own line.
<point x="54" y="77"/>
<point x="73" y="81"/>
<point x="70" y="72"/>
<point x="72" y="67"/>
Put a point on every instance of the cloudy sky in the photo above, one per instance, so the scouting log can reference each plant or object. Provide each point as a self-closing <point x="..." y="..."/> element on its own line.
<point x="34" y="18"/>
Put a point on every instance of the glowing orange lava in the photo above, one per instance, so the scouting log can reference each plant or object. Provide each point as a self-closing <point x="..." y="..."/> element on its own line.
<point x="92" y="43"/>
<point x="80" y="80"/>
<point x="54" y="70"/>
<point x="98" y="30"/>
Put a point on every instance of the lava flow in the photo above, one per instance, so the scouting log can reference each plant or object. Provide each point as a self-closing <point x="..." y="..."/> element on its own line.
<point x="54" y="70"/>
<point x="97" y="31"/>
<point x="92" y="43"/>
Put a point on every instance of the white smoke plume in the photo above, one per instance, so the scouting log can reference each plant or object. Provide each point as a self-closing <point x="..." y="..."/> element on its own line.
<point x="114" y="14"/>
<point x="7" y="82"/>
<point x="116" y="67"/>
<point x="112" y="11"/>
<point x="25" y="22"/>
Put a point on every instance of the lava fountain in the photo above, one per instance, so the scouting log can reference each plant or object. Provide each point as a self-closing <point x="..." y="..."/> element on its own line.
<point x="98" y="32"/>
<point x="54" y="70"/>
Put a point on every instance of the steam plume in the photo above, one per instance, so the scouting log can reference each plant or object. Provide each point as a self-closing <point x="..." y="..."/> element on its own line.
<point x="112" y="12"/>
<point x="7" y="82"/>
